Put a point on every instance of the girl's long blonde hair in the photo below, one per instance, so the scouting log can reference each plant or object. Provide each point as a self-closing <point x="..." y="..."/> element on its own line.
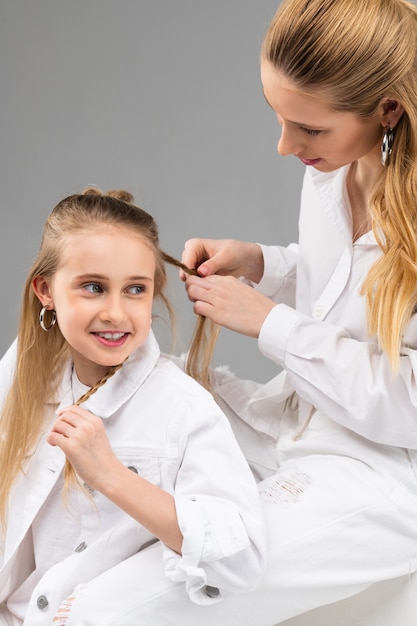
<point x="41" y="356"/>
<point x="358" y="52"/>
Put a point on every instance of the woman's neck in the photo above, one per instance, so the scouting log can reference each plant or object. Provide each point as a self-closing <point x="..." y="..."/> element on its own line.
<point x="360" y="184"/>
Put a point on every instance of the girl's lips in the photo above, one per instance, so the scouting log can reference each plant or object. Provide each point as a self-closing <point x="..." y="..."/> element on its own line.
<point x="309" y="161"/>
<point x="111" y="339"/>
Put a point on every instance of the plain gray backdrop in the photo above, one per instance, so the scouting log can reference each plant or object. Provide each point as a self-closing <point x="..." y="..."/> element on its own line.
<point x="160" y="97"/>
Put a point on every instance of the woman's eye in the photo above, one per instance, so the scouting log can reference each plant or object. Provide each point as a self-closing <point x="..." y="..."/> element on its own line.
<point x="310" y="131"/>
<point x="93" y="288"/>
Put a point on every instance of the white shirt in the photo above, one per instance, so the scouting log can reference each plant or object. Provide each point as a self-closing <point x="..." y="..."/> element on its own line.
<point x="165" y="426"/>
<point x="318" y="331"/>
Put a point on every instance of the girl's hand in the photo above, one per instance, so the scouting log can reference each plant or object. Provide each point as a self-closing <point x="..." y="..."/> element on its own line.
<point x="82" y="438"/>
<point x="229" y="302"/>
<point x="227" y="257"/>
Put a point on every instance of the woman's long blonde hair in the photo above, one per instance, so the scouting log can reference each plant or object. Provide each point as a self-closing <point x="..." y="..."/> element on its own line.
<point x="358" y="52"/>
<point x="41" y="356"/>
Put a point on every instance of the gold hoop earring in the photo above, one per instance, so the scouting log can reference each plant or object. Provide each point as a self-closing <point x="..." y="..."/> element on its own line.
<point x="42" y="319"/>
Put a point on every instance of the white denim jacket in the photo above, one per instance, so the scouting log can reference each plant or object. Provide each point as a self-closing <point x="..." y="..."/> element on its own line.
<point x="165" y="426"/>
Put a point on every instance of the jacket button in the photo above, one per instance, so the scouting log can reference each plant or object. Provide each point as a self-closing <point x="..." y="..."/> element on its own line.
<point x="42" y="602"/>
<point x="82" y="546"/>
<point x="318" y="311"/>
<point x="212" y="592"/>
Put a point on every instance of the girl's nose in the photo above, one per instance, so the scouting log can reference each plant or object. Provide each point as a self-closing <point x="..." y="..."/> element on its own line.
<point x="113" y="311"/>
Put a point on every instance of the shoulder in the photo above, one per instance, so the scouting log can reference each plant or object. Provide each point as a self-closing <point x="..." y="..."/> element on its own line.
<point x="181" y="395"/>
<point x="170" y="370"/>
<point x="8" y="360"/>
<point x="7" y="369"/>
<point x="189" y="410"/>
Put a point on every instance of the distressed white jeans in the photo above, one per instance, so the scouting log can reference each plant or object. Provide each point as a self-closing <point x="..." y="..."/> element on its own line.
<point x="7" y="619"/>
<point x="336" y="524"/>
<point x="317" y="555"/>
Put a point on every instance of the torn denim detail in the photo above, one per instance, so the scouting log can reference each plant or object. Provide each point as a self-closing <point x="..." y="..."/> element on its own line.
<point x="286" y="487"/>
<point x="64" y="612"/>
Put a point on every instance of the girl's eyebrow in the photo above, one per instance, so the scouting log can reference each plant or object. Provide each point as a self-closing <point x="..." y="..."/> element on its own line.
<point x="102" y="277"/>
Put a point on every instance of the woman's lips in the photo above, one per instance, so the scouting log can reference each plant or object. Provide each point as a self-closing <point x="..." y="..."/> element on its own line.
<point x="309" y="161"/>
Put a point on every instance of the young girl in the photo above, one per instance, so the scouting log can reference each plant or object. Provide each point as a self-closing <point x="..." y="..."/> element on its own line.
<point x="107" y="446"/>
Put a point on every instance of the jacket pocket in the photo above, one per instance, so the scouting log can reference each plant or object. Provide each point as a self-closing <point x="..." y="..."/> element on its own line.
<point x="147" y="462"/>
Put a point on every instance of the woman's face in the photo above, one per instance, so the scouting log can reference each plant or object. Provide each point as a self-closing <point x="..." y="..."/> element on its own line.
<point x="314" y="132"/>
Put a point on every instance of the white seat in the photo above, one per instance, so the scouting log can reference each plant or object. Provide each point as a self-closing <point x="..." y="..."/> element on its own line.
<point x="388" y="603"/>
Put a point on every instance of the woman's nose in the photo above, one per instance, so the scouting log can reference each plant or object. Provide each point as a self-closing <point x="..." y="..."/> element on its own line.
<point x="288" y="142"/>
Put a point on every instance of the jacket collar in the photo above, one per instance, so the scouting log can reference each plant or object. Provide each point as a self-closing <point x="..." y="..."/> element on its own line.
<point x="120" y="387"/>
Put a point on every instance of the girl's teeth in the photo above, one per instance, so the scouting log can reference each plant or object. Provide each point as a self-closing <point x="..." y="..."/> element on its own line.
<point x="110" y="336"/>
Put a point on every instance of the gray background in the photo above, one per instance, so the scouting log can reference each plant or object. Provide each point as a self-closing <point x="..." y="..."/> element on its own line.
<point x="160" y="97"/>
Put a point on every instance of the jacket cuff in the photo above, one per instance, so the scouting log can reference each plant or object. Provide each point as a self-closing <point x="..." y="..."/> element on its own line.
<point x="206" y="539"/>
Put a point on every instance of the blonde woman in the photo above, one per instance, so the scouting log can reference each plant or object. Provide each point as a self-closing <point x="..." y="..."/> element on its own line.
<point x="337" y="311"/>
<point x="106" y="445"/>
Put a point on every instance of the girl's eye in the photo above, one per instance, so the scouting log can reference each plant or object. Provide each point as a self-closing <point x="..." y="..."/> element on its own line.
<point x="309" y="131"/>
<point x="93" y="288"/>
<point x="136" y="289"/>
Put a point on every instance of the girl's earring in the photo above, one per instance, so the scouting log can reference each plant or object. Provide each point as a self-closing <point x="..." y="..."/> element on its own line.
<point x="42" y="319"/>
<point x="386" y="147"/>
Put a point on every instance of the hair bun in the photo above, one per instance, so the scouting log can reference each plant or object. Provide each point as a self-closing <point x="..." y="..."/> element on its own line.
<point x="91" y="191"/>
<point x="121" y="194"/>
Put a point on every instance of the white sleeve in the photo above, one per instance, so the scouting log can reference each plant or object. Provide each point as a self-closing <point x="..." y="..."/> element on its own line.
<point x="351" y="381"/>
<point x="219" y="510"/>
<point x="7" y="369"/>
<point x="279" y="278"/>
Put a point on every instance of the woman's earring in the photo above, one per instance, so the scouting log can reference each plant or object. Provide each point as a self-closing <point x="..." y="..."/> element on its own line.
<point x="386" y="147"/>
<point x="42" y="319"/>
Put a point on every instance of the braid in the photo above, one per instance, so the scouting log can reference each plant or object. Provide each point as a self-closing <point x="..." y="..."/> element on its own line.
<point x="98" y="384"/>
<point x="204" y="338"/>
<point x="70" y="476"/>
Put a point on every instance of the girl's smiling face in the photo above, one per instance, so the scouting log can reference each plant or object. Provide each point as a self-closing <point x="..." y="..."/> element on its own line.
<point x="102" y="293"/>
<point x="313" y="131"/>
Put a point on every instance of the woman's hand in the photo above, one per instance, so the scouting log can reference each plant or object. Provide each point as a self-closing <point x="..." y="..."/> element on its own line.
<point x="229" y="302"/>
<point x="83" y="439"/>
<point x="227" y="257"/>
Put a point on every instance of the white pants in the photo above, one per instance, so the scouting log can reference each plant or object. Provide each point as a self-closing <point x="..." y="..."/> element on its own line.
<point x="341" y="514"/>
<point x="7" y="619"/>
<point x="335" y="526"/>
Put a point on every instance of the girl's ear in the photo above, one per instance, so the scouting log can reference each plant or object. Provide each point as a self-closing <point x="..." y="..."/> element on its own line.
<point x="41" y="288"/>
<point x="391" y="112"/>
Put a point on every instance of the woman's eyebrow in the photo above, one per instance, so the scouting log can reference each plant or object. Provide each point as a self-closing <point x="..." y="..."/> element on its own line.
<point x="308" y="126"/>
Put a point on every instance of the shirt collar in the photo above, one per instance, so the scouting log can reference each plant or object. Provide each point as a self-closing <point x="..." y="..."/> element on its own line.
<point x="331" y="187"/>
